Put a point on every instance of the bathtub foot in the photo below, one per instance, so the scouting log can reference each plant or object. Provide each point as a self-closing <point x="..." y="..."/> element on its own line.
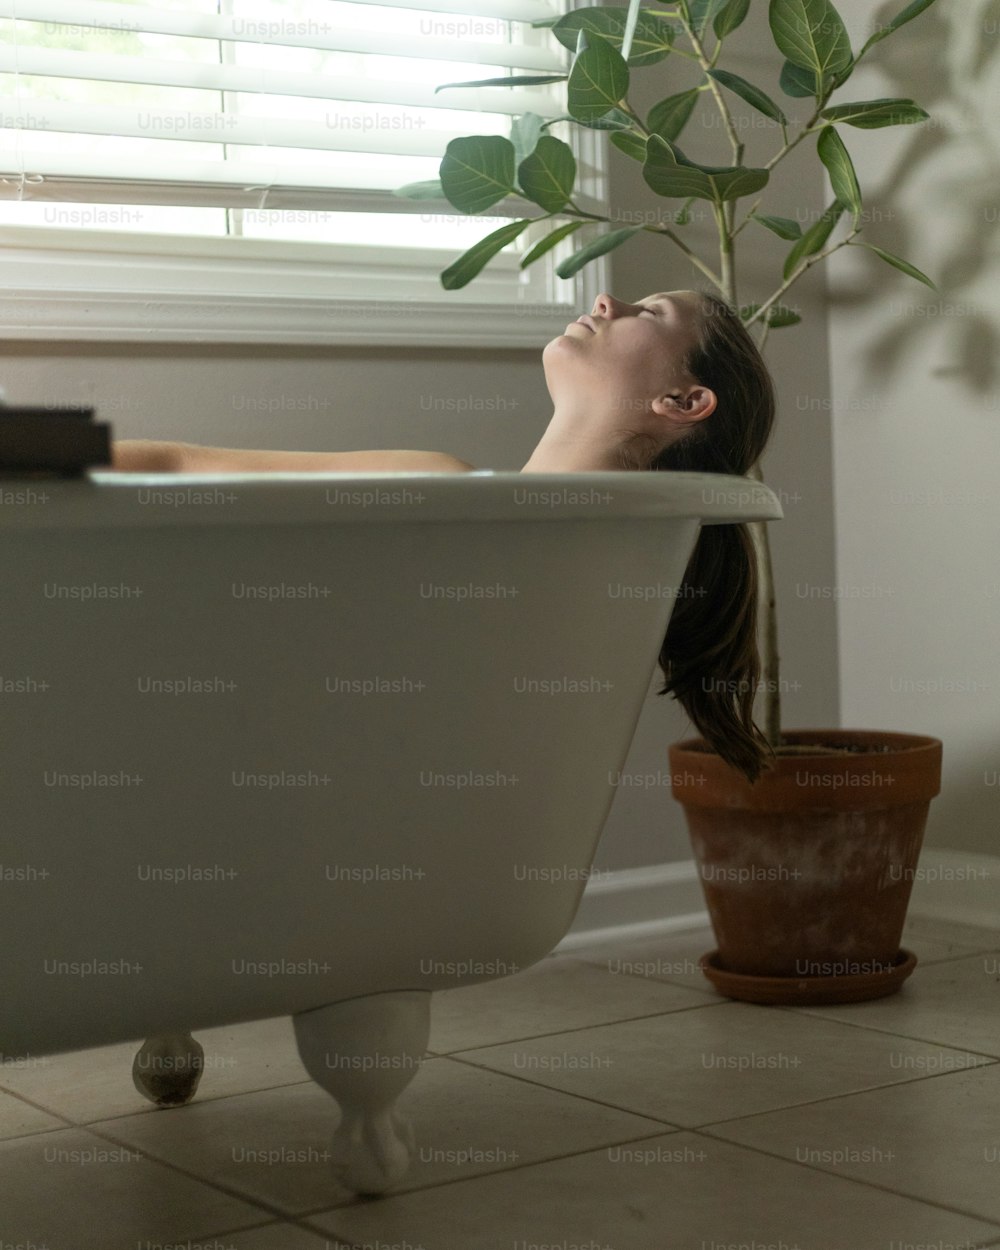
<point x="365" y="1052"/>
<point x="167" y="1069"/>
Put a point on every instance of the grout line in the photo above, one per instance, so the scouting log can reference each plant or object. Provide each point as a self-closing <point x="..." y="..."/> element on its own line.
<point x="602" y="1024"/>
<point x="729" y="1119"/>
<point x="263" y="1203"/>
<point x="37" y="1107"/>
<point x="480" y="1176"/>
<point x="612" y="1106"/>
<point x="853" y="1093"/>
<point x="903" y="1037"/>
<point x="888" y="1189"/>
<point x="198" y="1101"/>
<point x="144" y="1106"/>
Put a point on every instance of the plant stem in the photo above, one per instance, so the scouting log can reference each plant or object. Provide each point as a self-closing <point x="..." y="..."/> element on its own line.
<point x="574" y="211"/>
<point x="695" y="260"/>
<point x="806" y="264"/>
<point x="627" y="108"/>
<point x="713" y="86"/>
<point x="750" y="213"/>
<point x="726" y="254"/>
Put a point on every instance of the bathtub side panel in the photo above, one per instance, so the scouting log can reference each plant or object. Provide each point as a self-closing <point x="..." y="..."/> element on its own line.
<point x="247" y="771"/>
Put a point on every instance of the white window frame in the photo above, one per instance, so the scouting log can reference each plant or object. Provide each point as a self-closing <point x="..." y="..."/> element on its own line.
<point x="92" y="285"/>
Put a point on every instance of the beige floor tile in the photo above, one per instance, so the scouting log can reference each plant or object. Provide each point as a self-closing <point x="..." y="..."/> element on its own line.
<point x="95" y="1084"/>
<point x="696" y="1067"/>
<point x="956" y="1003"/>
<point x="936" y="1139"/>
<point x="972" y="937"/>
<point x="683" y="1193"/>
<point x="74" y="1191"/>
<point x="19" y="1119"/>
<point x="275" y="1145"/>
<point x="550" y="997"/>
<point x="272" y="1237"/>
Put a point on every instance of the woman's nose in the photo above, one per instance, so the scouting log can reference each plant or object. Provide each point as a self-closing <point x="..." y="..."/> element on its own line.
<point x="608" y="307"/>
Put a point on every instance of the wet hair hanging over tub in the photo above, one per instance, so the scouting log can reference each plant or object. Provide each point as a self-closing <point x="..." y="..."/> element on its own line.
<point x="709" y="656"/>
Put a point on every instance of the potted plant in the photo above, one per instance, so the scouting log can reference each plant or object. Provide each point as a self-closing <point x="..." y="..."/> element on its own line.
<point x="807" y="867"/>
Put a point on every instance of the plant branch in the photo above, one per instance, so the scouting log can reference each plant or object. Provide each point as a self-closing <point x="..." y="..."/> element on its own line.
<point x="806" y="264"/>
<point x="809" y="128"/>
<point x="746" y="219"/>
<point x="695" y="260"/>
<point x="713" y="86"/>
<point x="575" y="211"/>
<point x="726" y="253"/>
<point x="627" y="108"/>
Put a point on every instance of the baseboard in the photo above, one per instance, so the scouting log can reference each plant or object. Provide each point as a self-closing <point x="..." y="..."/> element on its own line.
<point x="638" y="903"/>
<point x="659" y="899"/>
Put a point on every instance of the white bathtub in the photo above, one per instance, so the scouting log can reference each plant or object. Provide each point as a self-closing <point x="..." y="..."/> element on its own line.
<point x="255" y="840"/>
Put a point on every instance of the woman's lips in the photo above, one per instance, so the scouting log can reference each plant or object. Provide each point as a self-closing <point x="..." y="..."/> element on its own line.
<point x="585" y="320"/>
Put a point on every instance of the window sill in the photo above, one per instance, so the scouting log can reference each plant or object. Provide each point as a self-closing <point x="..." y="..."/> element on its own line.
<point x="90" y="285"/>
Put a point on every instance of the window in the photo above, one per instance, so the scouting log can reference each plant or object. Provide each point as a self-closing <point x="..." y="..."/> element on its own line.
<point x="223" y="170"/>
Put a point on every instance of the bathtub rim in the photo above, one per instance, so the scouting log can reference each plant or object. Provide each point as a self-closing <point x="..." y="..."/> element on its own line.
<point x="104" y="499"/>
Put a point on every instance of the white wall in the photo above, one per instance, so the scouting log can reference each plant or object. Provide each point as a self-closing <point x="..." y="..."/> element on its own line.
<point x="916" y="413"/>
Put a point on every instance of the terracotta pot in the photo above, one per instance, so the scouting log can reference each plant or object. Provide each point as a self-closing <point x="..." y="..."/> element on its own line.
<point x="807" y="874"/>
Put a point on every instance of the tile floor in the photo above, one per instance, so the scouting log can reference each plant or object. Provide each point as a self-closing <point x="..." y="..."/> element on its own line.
<point x="606" y="1099"/>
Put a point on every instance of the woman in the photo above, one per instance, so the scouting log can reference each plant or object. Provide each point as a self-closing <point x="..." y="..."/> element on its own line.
<point x="673" y="382"/>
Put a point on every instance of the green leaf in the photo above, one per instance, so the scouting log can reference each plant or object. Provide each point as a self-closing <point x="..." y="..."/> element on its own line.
<point x="897" y="262"/>
<point x="471" y="262"/>
<point x="798" y="82"/>
<point x="783" y="227"/>
<point x="843" y="178"/>
<point x="704" y="11"/>
<point x="814" y="238"/>
<point x="549" y="242"/>
<point x="729" y="18"/>
<point x="606" y="243"/>
<point x="668" y="172"/>
<point x="598" y="80"/>
<point x="615" y="119"/>
<point x="524" y="133"/>
<point x="631" y="145"/>
<point x="684" y="213"/>
<point x="811" y="34"/>
<point x="668" y="118"/>
<point x="429" y="190"/>
<point x="516" y="80"/>
<point x="547" y="176"/>
<point x="776" y="316"/>
<point x="653" y="39"/>
<point x="753" y="95"/>
<point x="477" y="171"/>
<point x="907" y="15"/>
<point x="872" y="114"/>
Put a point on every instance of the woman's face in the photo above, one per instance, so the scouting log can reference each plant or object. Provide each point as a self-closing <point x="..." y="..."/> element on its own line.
<point x="623" y="357"/>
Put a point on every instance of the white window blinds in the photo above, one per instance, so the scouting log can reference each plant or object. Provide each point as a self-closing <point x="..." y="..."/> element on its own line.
<point x="302" y="104"/>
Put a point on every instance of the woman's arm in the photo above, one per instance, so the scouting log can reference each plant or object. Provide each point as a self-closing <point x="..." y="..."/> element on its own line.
<point x="146" y="455"/>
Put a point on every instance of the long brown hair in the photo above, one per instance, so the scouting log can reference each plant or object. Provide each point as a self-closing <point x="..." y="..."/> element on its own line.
<point x="709" y="656"/>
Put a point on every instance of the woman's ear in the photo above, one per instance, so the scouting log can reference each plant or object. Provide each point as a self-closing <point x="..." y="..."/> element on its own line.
<point x="692" y="403"/>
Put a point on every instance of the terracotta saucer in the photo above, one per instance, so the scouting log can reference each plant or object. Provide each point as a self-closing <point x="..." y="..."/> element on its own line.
<point x="808" y="991"/>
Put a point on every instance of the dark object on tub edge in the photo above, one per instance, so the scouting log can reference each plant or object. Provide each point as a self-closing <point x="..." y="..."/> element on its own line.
<point x="38" y="442"/>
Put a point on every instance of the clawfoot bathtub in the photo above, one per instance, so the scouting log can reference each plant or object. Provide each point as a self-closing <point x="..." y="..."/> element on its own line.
<point x="314" y="745"/>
